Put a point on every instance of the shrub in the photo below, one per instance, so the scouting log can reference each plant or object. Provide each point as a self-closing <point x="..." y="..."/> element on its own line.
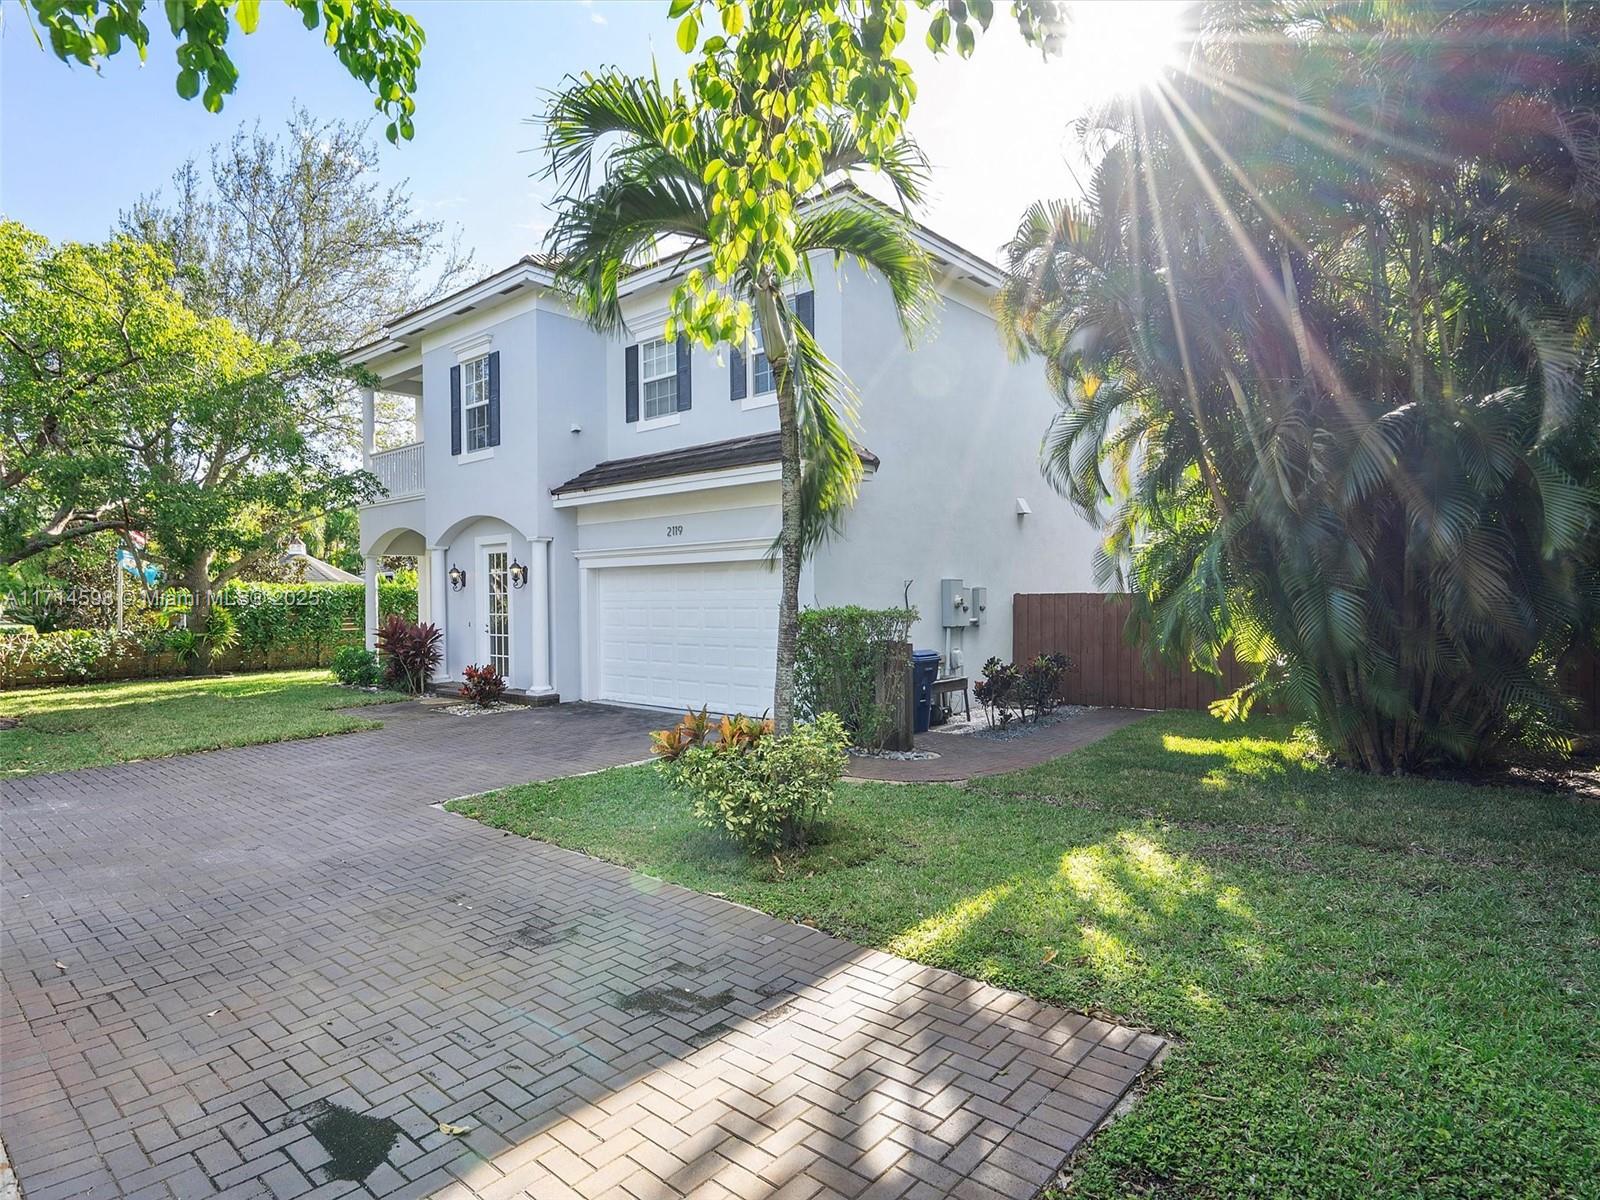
<point x="184" y="645"/>
<point x="1008" y="692"/>
<point x="994" y="691"/>
<point x="848" y="661"/>
<point x="766" y="793"/>
<point x="73" y="654"/>
<point x="356" y="666"/>
<point x="222" y="632"/>
<point x="1039" y="689"/>
<point x="482" y="686"/>
<point x="410" y="653"/>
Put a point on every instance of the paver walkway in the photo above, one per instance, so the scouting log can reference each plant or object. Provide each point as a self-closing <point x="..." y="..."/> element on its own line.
<point x="280" y="971"/>
<point x="966" y="756"/>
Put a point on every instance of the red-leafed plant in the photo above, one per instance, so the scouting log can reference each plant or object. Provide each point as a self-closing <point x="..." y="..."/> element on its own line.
<point x="410" y="652"/>
<point x="482" y="686"/>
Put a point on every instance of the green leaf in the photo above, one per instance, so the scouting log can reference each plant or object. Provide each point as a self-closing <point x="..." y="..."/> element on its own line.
<point x="248" y="14"/>
<point x="679" y="7"/>
<point x="188" y="84"/>
<point x="688" y="33"/>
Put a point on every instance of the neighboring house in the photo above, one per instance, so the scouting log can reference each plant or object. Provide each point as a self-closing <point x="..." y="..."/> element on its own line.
<point x="594" y="514"/>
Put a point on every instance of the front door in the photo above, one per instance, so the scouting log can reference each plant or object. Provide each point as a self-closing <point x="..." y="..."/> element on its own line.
<point x="494" y="643"/>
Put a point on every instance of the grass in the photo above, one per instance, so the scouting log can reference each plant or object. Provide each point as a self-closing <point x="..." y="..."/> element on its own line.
<point x="1378" y="987"/>
<point x="93" y="724"/>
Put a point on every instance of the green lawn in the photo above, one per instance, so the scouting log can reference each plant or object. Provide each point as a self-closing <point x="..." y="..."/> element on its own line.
<point x="86" y="726"/>
<point x="1378" y="987"/>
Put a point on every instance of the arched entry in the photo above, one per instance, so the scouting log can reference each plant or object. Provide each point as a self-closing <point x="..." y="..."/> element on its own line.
<point x="399" y="542"/>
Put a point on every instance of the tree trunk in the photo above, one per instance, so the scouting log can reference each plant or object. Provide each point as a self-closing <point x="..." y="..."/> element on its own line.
<point x="775" y="339"/>
<point x="197" y="580"/>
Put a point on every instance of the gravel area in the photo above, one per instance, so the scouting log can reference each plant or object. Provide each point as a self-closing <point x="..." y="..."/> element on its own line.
<point x="894" y="755"/>
<point x="978" y="725"/>
<point x="478" y="710"/>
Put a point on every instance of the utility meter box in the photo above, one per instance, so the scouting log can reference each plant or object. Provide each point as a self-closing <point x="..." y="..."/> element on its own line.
<point x="953" y="604"/>
<point x="977" y="602"/>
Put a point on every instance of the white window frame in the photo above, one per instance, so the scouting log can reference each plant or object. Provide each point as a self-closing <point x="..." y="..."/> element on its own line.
<point x="754" y="397"/>
<point x="758" y="355"/>
<point x="669" y="415"/>
<point x="471" y="401"/>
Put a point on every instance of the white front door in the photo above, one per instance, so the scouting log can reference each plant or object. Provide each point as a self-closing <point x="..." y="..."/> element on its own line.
<point x="494" y="616"/>
<point x="686" y="635"/>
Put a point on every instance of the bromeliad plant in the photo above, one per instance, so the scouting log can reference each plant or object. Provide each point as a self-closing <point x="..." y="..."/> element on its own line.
<point x="767" y="793"/>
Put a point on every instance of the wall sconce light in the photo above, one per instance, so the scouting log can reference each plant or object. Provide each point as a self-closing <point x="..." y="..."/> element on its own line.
<point x="458" y="578"/>
<point x="519" y="574"/>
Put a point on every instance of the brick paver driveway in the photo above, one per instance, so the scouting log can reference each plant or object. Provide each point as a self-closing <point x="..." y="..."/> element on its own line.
<point x="280" y="971"/>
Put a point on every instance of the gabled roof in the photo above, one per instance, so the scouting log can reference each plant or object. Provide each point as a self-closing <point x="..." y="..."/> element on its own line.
<point x="750" y="451"/>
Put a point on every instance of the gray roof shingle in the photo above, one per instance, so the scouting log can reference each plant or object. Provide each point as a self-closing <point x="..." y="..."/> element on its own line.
<point x="690" y="460"/>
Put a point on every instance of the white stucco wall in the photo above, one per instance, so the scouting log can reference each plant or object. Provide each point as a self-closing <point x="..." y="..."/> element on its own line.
<point x="958" y="426"/>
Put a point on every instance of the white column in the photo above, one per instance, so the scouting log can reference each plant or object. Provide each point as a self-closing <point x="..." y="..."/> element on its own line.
<point x="438" y="608"/>
<point x="539" y="595"/>
<point x="416" y="418"/>
<point x="372" y="603"/>
<point x="369" y="426"/>
<point x="424" y="593"/>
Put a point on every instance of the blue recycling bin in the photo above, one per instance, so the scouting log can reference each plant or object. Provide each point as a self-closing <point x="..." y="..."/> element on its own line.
<point x="924" y="671"/>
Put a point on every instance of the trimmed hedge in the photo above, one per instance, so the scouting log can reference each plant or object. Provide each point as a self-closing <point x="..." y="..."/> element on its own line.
<point x="848" y="661"/>
<point x="279" y="625"/>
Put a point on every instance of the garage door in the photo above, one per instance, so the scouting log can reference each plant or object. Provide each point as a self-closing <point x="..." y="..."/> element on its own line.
<point x="683" y="636"/>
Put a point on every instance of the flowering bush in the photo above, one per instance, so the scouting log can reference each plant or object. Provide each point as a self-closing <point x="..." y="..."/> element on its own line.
<point x="766" y="793"/>
<point x="482" y="686"/>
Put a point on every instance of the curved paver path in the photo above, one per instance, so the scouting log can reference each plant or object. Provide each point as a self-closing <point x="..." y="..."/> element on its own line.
<point x="248" y="937"/>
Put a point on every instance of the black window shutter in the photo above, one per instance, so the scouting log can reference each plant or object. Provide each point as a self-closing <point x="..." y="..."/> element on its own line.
<point x="736" y="373"/>
<point x="685" y="398"/>
<point x="805" y="308"/>
<point x="630" y="358"/>
<point x="494" y="398"/>
<point x="455" y="410"/>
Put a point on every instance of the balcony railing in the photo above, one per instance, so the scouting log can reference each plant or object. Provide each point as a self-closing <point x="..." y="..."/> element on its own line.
<point x="399" y="470"/>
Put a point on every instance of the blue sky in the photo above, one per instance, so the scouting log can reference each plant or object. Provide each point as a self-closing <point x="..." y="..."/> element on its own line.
<point x="76" y="147"/>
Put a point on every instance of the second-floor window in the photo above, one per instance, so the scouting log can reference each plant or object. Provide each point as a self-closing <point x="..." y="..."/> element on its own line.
<point x="761" y="380"/>
<point x="475" y="404"/>
<point x="658" y="376"/>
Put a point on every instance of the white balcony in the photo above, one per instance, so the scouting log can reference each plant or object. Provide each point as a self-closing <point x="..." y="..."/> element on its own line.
<point x="399" y="470"/>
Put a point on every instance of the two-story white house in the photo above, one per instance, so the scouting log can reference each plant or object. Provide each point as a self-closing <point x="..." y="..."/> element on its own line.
<point x="594" y="515"/>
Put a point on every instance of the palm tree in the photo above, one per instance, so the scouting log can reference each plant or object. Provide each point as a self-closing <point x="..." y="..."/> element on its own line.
<point x="630" y="197"/>
<point x="1328" y="357"/>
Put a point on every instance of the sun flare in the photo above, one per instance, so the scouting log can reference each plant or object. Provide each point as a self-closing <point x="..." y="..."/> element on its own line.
<point x="1121" y="45"/>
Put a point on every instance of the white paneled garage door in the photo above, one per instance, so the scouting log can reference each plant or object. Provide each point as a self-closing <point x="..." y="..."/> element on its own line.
<point x="687" y="635"/>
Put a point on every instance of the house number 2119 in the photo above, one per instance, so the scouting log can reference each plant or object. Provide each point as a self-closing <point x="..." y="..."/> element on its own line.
<point x="674" y="530"/>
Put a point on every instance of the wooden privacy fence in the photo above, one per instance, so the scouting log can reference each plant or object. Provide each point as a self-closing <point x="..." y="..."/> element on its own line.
<point x="1107" y="669"/>
<point x="1110" y="671"/>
